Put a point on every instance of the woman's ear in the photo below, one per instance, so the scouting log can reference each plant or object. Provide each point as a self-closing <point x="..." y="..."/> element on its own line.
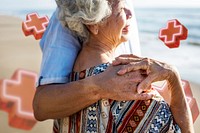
<point x="94" y="29"/>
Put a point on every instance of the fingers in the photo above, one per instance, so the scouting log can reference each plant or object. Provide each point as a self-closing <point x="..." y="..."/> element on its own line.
<point x="143" y="65"/>
<point x="125" y="59"/>
<point x="143" y="96"/>
<point x="135" y="77"/>
<point x="129" y="55"/>
<point x="146" y="83"/>
<point x="121" y="61"/>
<point x="130" y="93"/>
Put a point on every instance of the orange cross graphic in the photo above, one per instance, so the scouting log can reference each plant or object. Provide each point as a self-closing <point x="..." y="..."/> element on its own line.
<point x="35" y="25"/>
<point x="173" y="33"/>
<point x="16" y="96"/>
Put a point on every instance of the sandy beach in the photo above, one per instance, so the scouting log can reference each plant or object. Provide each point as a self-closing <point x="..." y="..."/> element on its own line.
<point x="18" y="51"/>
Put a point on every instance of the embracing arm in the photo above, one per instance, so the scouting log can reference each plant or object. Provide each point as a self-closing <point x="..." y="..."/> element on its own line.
<point x="61" y="100"/>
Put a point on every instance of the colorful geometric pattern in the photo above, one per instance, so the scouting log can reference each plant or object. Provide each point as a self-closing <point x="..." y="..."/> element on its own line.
<point x="35" y="25"/>
<point x="133" y="115"/>
<point x="162" y="117"/>
<point x="112" y="116"/>
<point x="16" y="96"/>
<point x="173" y="33"/>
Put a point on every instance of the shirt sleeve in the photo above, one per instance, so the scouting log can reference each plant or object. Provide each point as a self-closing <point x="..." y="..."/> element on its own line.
<point x="60" y="49"/>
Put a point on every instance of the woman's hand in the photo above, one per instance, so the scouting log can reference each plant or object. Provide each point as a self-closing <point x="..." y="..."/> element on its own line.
<point x="121" y="87"/>
<point x="156" y="70"/>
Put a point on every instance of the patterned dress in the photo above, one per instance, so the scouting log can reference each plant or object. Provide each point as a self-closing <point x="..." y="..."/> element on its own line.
<point x="110" y="116"/>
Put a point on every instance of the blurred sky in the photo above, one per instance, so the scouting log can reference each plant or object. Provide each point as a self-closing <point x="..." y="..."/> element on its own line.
<point x="167" y="3"/>
<point x="27" y="4"/>
<point x="41" y="4"/>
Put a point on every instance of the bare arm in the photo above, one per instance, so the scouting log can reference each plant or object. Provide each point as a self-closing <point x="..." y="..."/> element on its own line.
<point x="61" y="100"/>
<point x="179" y="106"/>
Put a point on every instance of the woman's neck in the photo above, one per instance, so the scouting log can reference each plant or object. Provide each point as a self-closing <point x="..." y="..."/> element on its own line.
<point x="94" y="52"/>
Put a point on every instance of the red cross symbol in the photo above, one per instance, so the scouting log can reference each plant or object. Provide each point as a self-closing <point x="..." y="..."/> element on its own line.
<point x="161" y="87"/>
<point x="35" y="25"/>
<point x="173" y="33"/>
<point x="16" y="96"/>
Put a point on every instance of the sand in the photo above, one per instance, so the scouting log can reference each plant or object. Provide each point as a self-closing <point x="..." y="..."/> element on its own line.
<point x="18" y="51"/>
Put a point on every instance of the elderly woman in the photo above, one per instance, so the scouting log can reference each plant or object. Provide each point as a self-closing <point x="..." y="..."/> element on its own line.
<point x="102" y="25"/>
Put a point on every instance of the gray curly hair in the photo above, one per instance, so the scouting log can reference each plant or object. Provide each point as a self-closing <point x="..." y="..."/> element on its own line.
<point x="75" y="14"/>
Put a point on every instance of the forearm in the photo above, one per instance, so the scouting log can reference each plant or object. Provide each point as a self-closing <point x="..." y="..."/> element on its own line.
<point x="62" y="100"/>
<point x="179" y="105"/>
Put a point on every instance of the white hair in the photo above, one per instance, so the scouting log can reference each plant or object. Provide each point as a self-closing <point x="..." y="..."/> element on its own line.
<point x="75" y="14"/>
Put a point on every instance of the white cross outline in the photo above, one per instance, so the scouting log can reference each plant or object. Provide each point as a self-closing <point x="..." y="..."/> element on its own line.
<point x="174" y="35"/>
<point x="15" y="98"/>
<point x="29" y="19"/>
<point x="164" y="83"/>
<point x="189" y="99"/>
<point x="159" y="87"/>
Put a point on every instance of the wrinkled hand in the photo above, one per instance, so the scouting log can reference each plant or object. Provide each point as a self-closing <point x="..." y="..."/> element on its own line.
<point x="155" y="70"/>
<point x="122" y="87"/>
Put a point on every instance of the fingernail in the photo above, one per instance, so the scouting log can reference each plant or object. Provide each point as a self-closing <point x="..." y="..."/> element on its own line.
<point x="121" y="72"/>
<point x="139" y="91"/>
<point x="114" y="62"/>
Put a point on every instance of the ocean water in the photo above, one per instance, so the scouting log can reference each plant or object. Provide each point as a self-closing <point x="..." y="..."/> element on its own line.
<point x="150" y="20"/>
<point x="20" y="8"/>
<point x="187" y="56"/>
